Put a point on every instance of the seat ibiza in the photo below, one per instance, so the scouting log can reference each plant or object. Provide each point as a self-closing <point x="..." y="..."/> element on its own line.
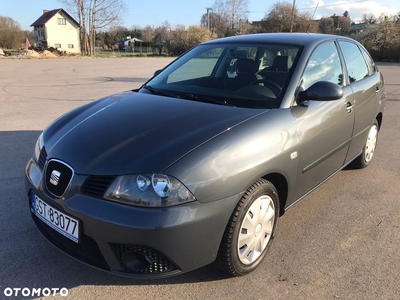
<point x="198" y="164"/>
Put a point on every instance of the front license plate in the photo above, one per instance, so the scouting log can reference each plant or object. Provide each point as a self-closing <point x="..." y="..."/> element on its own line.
<point x="62" y="223"/>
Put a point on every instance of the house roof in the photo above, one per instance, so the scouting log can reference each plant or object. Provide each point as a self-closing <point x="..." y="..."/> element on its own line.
<point x="49" y="14"/>
<point x="127" y="40"/>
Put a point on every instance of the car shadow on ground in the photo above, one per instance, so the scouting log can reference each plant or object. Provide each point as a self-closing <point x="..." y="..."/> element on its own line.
<point x="27" y="259"/>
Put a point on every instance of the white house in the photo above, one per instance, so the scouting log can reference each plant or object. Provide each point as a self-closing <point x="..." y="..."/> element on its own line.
<point x="56" y="28"/>
<point x="125" y="43"/>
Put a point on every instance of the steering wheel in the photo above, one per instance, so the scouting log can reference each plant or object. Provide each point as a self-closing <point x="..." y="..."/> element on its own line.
<point x="275" y="88"/>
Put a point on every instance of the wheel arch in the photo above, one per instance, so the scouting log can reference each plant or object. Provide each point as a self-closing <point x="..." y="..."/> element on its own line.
<point x="379" y="118"/>
<point x="281" y="185"/>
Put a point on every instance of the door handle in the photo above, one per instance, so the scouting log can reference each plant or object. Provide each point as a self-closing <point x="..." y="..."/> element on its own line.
<point x="349" y="107"/>
<point x="377" y="90"/>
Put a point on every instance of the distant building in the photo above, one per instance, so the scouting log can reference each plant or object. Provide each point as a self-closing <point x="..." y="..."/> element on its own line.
<point x="56" y="28"/>
<point x="125" y="44"/>
<point x="358" y="28"/>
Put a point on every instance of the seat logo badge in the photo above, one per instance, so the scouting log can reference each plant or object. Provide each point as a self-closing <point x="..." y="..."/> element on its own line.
<point x="293" y="155"/>
<point x="55" y="177"/>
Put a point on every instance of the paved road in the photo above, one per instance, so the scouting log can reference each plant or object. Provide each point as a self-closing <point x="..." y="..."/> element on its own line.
<point x="340" y="242"/>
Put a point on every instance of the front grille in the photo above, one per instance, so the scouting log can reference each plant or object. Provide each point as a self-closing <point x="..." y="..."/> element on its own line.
<point x="86" y="250"/>
<point x="64" y="175"/>
<point x="42" y="158"/>
<point x="96" y="186"/>
<point x="158" y="262"/>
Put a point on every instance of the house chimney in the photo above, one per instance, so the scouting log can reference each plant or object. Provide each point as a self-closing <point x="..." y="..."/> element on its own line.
<point x="45" y="11"/>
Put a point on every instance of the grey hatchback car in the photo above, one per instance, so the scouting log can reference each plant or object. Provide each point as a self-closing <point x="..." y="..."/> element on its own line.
<point x="198" y="164"/>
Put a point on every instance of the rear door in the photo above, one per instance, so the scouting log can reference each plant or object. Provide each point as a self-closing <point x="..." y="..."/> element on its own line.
<point x="365" y="82"/>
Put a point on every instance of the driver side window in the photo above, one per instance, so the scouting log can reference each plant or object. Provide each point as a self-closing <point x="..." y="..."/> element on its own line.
<point x="324" y="65"/>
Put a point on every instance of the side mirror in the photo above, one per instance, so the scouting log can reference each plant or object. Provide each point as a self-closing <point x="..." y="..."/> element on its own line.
<point x="157" y="72"/>
<point x="321" y="91"/>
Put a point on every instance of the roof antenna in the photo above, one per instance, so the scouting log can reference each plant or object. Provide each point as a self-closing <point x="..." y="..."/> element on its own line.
<point x="312" y="18"/>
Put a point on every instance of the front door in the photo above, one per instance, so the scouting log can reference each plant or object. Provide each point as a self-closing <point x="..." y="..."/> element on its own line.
<point x="324" y="127"/>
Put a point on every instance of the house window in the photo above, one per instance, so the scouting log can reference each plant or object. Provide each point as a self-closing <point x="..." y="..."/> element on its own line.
<point x="57" y="45"/>
<point x="61" y="21"/>
<point x="70" y="46"/>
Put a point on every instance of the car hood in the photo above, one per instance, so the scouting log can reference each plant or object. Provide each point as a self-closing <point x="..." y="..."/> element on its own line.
<point x="133" y="132"/>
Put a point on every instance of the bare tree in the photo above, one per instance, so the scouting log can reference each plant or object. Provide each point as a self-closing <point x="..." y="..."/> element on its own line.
<point x="368" y="18"/>
<point x="384" y="35"/>
<point x="381" y="37"/>
<point x="237" y="10"/>
<point x="226" y="17"/>
<point x="342" y="25"/>
<point x="11" y="35"/>
<point x="219" y="24"/>
<point x="278" y="19"/>
<point x="326" y="25"/>
<point x="162" y="37"/>
<point x="183" y="39"/>
<point x="197" y="35"/>
<point x="94" y="15"/>
<point x="148" y="35"/>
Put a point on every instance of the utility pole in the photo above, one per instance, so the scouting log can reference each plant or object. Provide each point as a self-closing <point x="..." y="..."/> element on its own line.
<point x="292" y="17"/>
<point x="312" y="18"/>
<point x="208" y="17"/>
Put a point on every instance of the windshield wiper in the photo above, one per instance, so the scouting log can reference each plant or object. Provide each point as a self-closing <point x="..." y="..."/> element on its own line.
<point x="206" y="99"/>
<point x="159" y="92"/>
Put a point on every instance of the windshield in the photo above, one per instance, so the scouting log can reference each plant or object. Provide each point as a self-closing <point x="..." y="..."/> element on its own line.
<point x="244" y="75"/>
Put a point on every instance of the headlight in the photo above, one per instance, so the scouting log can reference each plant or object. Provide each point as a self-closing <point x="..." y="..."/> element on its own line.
<point x="150" y="190"/>
<point x="38" y="147"/>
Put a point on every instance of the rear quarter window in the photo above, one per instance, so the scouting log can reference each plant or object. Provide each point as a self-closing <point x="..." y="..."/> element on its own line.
<point x="370" y="62"/>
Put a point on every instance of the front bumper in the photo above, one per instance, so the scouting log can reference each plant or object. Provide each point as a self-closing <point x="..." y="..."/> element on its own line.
<point x="135" y="241"/>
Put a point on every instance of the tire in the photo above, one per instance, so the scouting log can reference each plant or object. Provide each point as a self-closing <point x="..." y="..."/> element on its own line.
<point x="368" y="151"/>
<point x="250" y="230"/>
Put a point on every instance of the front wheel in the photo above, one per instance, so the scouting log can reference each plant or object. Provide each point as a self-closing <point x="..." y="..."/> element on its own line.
<point x="250" y="230"/>
<point x="368" y="151"/>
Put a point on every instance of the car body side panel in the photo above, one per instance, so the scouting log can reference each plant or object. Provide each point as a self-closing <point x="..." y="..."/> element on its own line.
<point x="230" y="163"/>
<point x="366" y="106"/>
<point x="324" y="131"/>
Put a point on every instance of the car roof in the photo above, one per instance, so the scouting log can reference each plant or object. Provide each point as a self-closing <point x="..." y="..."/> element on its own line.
<point x="281" y="38"/>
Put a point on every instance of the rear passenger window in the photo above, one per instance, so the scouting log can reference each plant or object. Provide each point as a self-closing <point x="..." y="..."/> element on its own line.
<point x="356" y="65"/>
<point x="324" y="65"/>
